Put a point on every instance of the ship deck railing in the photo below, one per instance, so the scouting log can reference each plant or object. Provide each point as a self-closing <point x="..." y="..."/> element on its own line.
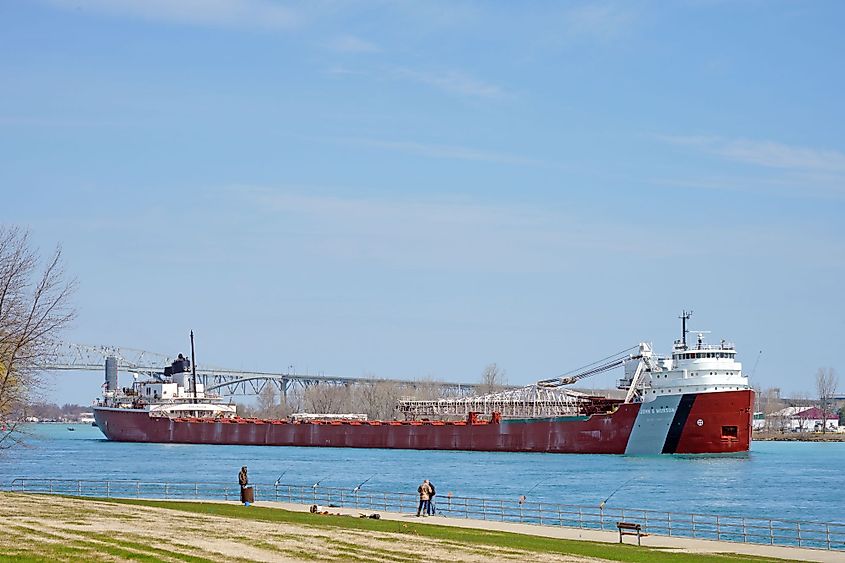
<point x="731" y="528"/>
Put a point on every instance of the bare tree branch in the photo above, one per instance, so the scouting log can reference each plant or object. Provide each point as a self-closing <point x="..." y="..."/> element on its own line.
<point x="34" y="308"/>
<point x="826" y="383"/>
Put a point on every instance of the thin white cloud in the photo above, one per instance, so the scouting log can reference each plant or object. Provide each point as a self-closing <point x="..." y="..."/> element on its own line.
<point x="768" y="154"/>
<point x="467" y="234"/>
<point x="598" y="20"/>
<point x="352" y="44"/>
<point x="453" y="233"/>
<point x="452" y="81"/>
<point x="217" y="13"/>
<point x="445" y="151"/>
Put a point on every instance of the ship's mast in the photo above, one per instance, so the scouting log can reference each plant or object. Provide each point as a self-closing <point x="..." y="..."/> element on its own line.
<point x="685" y="315"/>
<point x="193" y="366"/>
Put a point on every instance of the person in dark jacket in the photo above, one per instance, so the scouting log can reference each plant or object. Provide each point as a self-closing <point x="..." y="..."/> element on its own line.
<point x="431" y="508"/>
<point x="243" y="481"/>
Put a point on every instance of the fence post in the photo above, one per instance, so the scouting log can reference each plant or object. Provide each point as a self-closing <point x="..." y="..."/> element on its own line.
<point x="196" y="490"/>
<point x="108" y="489"/>
<point x="798" y="528"/>
<point x="718" y="534"/>
<point x="771" y="534"/>
<point x="79" y="488"/>
<point x="580" y="518"/>
<point x="744" y="531"/>
<point x="559" y="516"/>
<point x="166" y="485"/>
<point x="692" y="519"/>
<point x="827" y="534"/>
<point x="669" y="522"/>
<point x="483" y="509"/>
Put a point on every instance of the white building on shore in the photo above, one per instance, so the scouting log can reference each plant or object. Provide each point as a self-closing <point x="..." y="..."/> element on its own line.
<point x="803" y="419"/>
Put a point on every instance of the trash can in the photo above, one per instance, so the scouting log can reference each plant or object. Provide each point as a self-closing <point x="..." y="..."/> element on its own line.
<point x="247" y="495"/>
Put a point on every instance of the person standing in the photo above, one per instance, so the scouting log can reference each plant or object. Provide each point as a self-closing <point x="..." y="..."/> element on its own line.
<point x="425" y="498"/>
<point x="431" y="506"/>
<point x="243" y="481"/>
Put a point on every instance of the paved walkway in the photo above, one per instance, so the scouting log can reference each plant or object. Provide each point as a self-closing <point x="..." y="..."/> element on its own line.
<point x="675" y="543"/>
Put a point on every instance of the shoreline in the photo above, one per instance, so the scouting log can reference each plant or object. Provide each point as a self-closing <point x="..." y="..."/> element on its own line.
<point x="798" y="437"/>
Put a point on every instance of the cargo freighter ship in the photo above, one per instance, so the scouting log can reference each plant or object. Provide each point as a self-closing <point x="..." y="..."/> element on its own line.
<point x="694" y="401"/>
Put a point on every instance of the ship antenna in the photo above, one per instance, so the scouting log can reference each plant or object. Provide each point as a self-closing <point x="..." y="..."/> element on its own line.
<point x="193" y="366"/>
<point x="685" y="315"/>
<point x="754" y="369"/>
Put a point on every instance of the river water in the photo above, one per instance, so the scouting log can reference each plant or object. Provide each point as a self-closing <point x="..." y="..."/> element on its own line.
<point x="789" y="480"/>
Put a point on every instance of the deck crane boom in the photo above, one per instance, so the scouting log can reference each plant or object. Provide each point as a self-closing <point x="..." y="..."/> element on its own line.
<point x="643" y="355"/>
<point x="590" y="370"/>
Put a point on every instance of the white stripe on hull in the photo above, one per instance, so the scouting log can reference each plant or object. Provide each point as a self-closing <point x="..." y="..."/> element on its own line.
<point x="652" y="426"/>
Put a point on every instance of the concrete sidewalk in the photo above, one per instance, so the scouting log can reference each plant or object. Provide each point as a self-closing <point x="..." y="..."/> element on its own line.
<point x="688" y="545"/>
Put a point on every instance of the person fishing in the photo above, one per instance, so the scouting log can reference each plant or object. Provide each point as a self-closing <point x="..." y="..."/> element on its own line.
<point x="243" y="481"/>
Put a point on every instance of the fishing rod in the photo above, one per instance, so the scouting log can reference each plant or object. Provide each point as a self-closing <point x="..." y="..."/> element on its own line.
<point x="616" y="490"/>
<point x="358" y="488"/>
<point x="314" y="486"/>
<point x="522" y="498"/>
<point x="280" y="478"/>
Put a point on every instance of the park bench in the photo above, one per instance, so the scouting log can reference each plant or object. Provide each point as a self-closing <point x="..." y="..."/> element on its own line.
<point x="630" y="529"/>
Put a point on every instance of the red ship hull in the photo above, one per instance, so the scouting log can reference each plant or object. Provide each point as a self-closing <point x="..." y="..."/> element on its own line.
<point x="684" y="424"/>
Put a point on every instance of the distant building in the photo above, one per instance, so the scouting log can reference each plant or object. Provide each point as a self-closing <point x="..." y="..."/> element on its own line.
<point x="803" y="419"/>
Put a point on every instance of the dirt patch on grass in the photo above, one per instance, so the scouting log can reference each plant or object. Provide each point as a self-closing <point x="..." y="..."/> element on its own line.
<point x="38" y="526"/>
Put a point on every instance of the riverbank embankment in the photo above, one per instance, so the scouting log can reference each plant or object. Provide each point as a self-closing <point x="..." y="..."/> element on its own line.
<point x="44" y="527"/>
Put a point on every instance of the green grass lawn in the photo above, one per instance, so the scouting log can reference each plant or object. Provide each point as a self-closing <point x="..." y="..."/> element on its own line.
<point x="613" y="552"/>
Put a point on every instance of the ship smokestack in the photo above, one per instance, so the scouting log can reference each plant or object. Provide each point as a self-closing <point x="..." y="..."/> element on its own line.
<point x="111" y="373"/>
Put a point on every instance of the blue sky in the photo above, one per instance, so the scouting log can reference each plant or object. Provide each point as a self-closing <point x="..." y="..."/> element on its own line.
<point x="417" y="189"/>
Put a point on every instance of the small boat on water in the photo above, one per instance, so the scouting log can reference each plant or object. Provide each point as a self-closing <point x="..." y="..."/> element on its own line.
<point x="71" y="429"/>
<point x="696" y="400"/>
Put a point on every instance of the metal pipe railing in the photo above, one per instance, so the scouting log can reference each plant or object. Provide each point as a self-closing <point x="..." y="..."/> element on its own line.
<point x="741" y="529"/>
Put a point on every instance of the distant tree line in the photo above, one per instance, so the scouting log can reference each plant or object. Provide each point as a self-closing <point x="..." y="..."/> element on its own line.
<point x="52" y="411"/>
<point x="769" y="401"/>
<point x="376" y="398"/>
